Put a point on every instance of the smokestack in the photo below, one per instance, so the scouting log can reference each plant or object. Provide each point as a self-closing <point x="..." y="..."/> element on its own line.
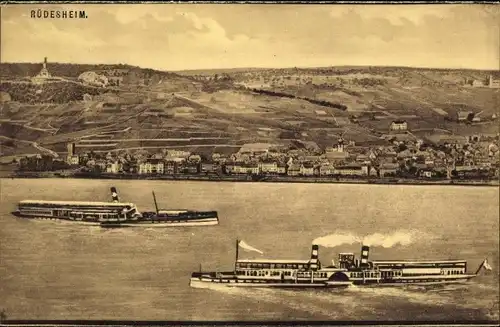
<point x="45" y="62"/>
<point x="114" y="194"/>
<point x="314" y="257"/>
<point x="365" y="251"/>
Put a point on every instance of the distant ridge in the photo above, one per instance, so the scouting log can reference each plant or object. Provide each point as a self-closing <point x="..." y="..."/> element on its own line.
<point x="212" y="71"/>
<point x="218" y="70"/>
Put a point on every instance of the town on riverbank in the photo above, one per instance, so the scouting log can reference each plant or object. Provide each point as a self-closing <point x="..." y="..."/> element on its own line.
<point x="474" y="161"/>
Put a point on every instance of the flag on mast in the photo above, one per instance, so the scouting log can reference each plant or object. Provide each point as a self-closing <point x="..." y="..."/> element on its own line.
<point x="247" y="247"/>
<point x="486" y="265"/>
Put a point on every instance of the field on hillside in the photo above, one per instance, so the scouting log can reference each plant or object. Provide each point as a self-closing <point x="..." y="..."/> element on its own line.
<point x="411" y="94"/>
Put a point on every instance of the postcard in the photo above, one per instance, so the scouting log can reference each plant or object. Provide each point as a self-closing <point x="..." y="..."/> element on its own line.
<point x="244" y="163"/>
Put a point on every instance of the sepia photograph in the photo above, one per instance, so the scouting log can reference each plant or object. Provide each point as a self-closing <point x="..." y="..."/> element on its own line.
<point x="237" y="163"/>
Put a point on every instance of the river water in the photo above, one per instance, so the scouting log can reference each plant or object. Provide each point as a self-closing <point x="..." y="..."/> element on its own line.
<point x="54" y="270"/>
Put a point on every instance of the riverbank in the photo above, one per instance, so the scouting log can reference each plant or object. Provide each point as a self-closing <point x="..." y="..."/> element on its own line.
<point x="262" y="179"/>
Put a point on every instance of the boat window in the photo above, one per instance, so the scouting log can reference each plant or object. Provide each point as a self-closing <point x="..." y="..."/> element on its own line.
<point x="279" y="266"/>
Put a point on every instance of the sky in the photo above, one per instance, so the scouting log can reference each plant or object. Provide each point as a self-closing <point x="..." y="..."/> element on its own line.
<point x="203" y="36"/>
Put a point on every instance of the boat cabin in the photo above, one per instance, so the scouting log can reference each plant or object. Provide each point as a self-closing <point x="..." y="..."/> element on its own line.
<point x="413" y="268"/>
<point x="78" y="210"/>
<point x="284" y="270"/>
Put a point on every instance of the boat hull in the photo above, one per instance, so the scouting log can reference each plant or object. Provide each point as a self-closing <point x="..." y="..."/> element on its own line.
<point x="65" y="221"/>
<point x="234" y="282"/>
<point x="418" y="281"/>
<point x="130" y="223"/>
<point x="204" y="282"/>
<point x="166" y="223"/>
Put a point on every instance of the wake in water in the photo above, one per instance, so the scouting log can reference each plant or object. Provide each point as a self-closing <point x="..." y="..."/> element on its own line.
<point x="358" y="302"/>
<point x="409" y="293"/>
<point x="308" y="302"/>
<point x="402" y="237"/>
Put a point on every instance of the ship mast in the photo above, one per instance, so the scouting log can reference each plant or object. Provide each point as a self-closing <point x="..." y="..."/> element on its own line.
<point x="156" y="204"/>
<point x="237" y="250"/>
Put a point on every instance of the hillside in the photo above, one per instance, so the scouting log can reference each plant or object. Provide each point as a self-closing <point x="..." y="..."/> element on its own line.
<point x="222" y="109"/>
<point x="15" y="70"/>
<point x="399" y="91"/>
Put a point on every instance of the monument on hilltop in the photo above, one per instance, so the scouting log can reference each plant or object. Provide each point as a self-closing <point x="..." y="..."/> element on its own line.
<point x="43" y="75"/>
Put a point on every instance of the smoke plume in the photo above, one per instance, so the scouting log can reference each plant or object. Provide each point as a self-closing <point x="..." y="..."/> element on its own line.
<point x="403" y="238"/>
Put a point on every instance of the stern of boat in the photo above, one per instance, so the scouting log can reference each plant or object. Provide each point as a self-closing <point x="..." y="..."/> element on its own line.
<point x="16" y="213"/>
<point x="200" y="279"/>
<point x="197" y="283"/>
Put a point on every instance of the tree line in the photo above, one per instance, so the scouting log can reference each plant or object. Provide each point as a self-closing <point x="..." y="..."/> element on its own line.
<point x="323" y="103"/>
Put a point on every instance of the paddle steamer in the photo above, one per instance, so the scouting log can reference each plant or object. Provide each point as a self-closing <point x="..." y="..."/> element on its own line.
<point x="113" y="214"/>
<point x="351" y="271"/>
